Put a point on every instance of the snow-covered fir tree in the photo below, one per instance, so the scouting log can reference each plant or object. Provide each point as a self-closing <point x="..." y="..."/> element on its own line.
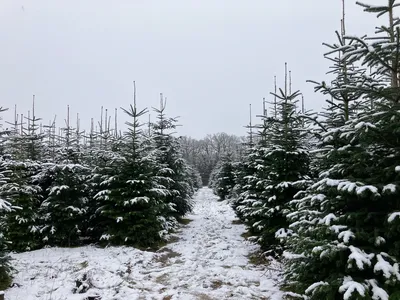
<point x="103" y="159"/>
<point x="23" y="225"/>
<point x="23" y="188"/>
<point x="282" y="172"/>
<point x="131" y="202"/>
<point x="195" y="178"/>
<point x="5" y="208"/>
<point x="347" y="223"/>
<point x="245" y="189"/>
<point x="246" y="173"/>
<point x="64" y="210"/>
<point x="223" y="177"/>
<point x="174" y="173"/>
<point x="273" y="170"/>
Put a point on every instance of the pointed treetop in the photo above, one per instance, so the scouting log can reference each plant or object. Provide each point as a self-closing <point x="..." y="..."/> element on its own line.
<point x="134" y="94"/>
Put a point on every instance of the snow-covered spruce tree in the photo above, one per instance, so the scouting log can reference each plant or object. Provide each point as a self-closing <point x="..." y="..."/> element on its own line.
<point x="192" y="178"/>
<point x="195" y="178"/>
<point x="237" y="167"/>
<point x="173" y="172"/>
<point x="5" y="208"/>
<point x="23" y="189"/>
<point x="103" y="169"/>
<point x="282" y="171"/>
<point x="248" y="176"/>
<point x="347" y="224"/>
<point x="65" y="208"/>
<point x="213" y="176"/>
<point x="132" y="202"/>
<point x="245" y="188"/>
<point x="103" y="159"/>
<point x="223" y="177"/>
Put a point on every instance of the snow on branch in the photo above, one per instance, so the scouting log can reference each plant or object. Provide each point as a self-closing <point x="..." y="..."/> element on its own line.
<point x="349" y="287"/>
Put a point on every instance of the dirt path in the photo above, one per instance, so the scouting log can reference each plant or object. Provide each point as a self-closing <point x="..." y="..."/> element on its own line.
<point x="208" y="260"/>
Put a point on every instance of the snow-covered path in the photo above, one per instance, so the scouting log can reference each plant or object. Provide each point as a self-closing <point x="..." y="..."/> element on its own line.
<point x="208" y="260"/>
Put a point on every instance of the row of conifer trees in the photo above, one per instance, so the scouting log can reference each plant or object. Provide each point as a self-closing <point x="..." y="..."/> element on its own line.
<point x="106" y="188"/>
<point x="321" y="191"/>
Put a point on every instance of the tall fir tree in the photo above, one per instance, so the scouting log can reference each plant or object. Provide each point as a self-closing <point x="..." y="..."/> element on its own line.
<point x="347" y="226"/>
<point x="131" y="202"/>
<point x="65" y="206"/>
<point x="5" y="208"/>
<point x="284" y="172"/>
<point x="246" y="190"/>
<point x="173" y="173"/>
<point x="24" y="190"/>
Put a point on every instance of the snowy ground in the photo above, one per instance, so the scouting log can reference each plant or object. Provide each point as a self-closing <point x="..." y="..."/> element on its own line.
<point x="208" y="260"/>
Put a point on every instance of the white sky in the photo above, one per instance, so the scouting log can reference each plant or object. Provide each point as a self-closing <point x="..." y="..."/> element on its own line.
<point x="210" y="58"/>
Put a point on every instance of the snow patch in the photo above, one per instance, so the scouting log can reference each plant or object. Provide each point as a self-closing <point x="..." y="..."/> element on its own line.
<point x="209" y="260"/>
<point x="393" y="216"/>
<point x="389" y="188"/>
<point x="359" y="257"/>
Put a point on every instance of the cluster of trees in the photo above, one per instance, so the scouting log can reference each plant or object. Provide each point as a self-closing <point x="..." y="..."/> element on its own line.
<point x="70" y="189"/>
<point x="321" y="191"/>
<point x="205" y="153"/>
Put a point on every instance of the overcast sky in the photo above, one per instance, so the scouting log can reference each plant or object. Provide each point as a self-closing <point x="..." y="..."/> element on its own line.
<point x="210" y="58"/>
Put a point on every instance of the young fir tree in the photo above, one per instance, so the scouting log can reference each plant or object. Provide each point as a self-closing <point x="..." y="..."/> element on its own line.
<point x="5" y="208"/>
<point x="102" y="170"/>
<point x="195" y="178"/>
<point x="283" y="171"/>
<point x="251" y="175"/>
<point x="65" y="207"/>
<point x="224" y="177"/>
<point x="131" y="202"/>
<point x="23" y="225"/>
<point x="192" y="178"/>
<point x="173" y="173"/>
<point x="246" y="190"/>
<point x="102" y="155"/>
<point x="24" y="190"/>
<point x="213" y="176"/>
<point x="347" y="224"/>
<point x="103" y="159"/>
